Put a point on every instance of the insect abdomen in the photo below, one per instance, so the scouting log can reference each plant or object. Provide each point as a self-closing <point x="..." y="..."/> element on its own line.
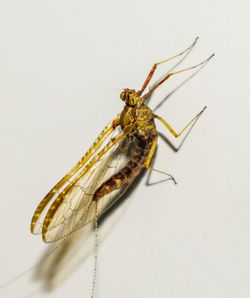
<point x="128" y="173"/>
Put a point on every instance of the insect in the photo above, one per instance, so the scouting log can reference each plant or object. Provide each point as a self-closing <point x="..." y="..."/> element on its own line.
<point x="96" y="182"/>
<point x="122" y="150"/>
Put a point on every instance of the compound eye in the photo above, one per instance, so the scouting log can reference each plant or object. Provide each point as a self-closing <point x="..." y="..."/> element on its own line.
<point x="123" y="95"/>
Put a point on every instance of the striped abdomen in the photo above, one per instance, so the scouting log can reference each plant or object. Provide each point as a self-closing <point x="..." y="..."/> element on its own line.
<point x="129" y="172"/>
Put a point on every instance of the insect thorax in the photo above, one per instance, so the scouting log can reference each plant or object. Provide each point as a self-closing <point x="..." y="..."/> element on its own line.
<point x="143" y="120"/>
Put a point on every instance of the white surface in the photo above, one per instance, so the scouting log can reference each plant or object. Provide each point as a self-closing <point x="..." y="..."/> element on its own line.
<point x="61" y="65"/>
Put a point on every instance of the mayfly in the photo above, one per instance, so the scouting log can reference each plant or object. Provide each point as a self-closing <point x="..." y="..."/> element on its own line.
<point x="96" y="182"/>
<point x="122" y="150"/>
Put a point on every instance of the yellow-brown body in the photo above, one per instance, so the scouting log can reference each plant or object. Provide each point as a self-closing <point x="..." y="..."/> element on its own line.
<point x="144" y="135"/>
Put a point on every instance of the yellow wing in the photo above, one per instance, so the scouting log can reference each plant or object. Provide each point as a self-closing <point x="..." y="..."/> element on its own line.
<point x="78" y="208"/>
<point x="69" y="206"/>
<point x="43" y="207"/>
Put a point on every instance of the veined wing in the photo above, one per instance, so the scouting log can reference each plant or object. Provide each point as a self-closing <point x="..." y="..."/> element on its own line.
<point x="78" y="208"/>
<point x="45" y="204"/>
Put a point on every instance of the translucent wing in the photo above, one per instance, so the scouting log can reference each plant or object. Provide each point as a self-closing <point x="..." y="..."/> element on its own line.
<point x="73" y="206"/>
<point x="78" y="208"/>
<point x="45" y="204"/>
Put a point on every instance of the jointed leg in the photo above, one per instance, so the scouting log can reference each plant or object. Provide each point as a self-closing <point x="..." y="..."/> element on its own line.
<point x="173" y="73"/>
<point x="171" y="129"/>
<point x="149" y="159"/>
<point x="151" y="153"/>
<point x="161" y="172"/>
<point x="163" y="61"/>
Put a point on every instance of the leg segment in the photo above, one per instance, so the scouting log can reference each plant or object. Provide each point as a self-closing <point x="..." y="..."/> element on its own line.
<point x="173" y="73"/>
<point x="150" y="157"/>
<point x="163" y="61"/>
<point x="161" y="172"/>
<point x="151" y="153"/>
<point x="171" y="129"/>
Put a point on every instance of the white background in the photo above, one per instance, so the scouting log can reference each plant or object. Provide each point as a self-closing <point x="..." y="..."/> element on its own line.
<point x="62" y="64"/>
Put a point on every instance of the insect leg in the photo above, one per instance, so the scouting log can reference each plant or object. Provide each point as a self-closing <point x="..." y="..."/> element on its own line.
<point x="163" y="61"/>
<point x="171" y="129"/>
<point x="173" y="73"/>
<point x="149" y="159"/>
<point x="161" y="172"/>
<point x="151" y="153"/>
